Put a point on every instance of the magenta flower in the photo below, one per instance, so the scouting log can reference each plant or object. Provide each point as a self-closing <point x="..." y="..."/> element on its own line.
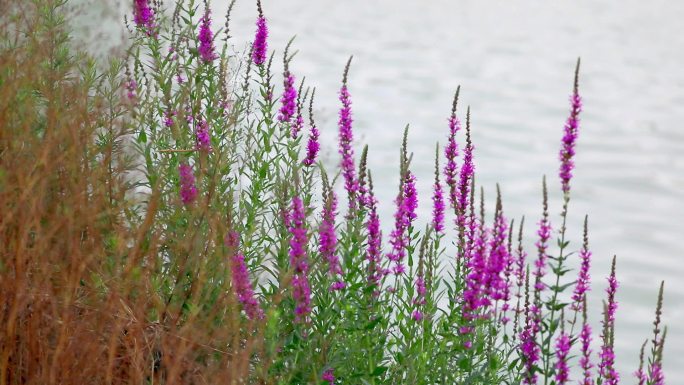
<point x="657" y="375"/>
<point x="168" y="118"/>
<point x="298" y="260"/>
<point x="346" y="137"/>
<point x="205" y="38"/>
<point x="542" y="244"/>
<point x="607" y="355"/>
<point x="312" y="147"/>
<point x="240" y="278"/>
<point x="465" y="178"/>
<point x="143" y="15"/>
<point x="529" y="348"/>
<point x="585" y="359"/>
<point x="188" y="191"/>
<point x="374" y="239"/>
<point x="297" y="125"/>
<point x="329" y="376"/>
<point x="499" y="258"/>
<point x="419" y="301"/>
<point x="562" y="350"/>
<point x="259" y="47"/>
<point x="289" y="99"/>
<point x="437" y="201"/>
<point x="567" y="151"/>
<point x="475" y="286"/>
<point x="131" y="88"/>
<point x="407" y="202"/>
<point x="451" y="153"/>
<point x="328" y="241"/>
<point x="202" y="136"/>
<point x="583" y="278"/>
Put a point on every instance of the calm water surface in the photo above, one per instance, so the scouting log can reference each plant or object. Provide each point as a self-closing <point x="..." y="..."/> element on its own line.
<point x="514" y="61"/>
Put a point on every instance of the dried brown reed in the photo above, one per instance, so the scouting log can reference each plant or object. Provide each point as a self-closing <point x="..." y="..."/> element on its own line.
<point x="88" y="292"/>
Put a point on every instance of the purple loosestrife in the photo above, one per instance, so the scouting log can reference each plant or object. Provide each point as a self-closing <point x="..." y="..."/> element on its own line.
<point x="419" y="301"/>
<point x="567" y="151"/>
<point x="657" y="375"/>
<point x="329" y="376"/>
<point x="474" y="292"/>
<point x="607" y="355"/>
<point x="407" y="202"/>
<point x="205" y="38"/>
<point x="437" y="200"/>
<point x="260" y="45"/>
<point x="312" y="145"/>
<point x="529" y="348"/>
<point x="585" y="345"/>
<point x="240" y="279"/>
<point x="562" y="350"/>
<point x="346" y="137"/>
<point x="497" y="288"/>
<point x="143" y="15"/>
<point x="288" y="100"/>
<point x="298" y="260"/>
<point x="374" y="239"/>
<point x="544" y="234"/>
<point x="131" y="88"/>
<point x="465" y="178"/>
<point x="451" y="153"/>
<point x="583" y="277"/>
<point x="328" y="241"/>
<point x="202" y="136"/>
<point x="188" y="191"/>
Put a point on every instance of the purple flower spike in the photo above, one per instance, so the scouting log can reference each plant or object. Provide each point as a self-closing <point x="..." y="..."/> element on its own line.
<point x="473" y="294"/>
<point x="328" y="241"/>
<point x="374" y="236"/>
<point x="259" y="47"/>
<point x="657" y="375"/>
<point x="542" y="244"/>
<point x="188" y="191"/>
<point x="312" y="147"/>
<point x="298" y="260"/>
<point x="583" y="278"/>
<point x="585" y="360"/>
<point x="562" y="350"/>
<point x="131" y="88"/>
<point x="529" y="348"/>
<point x="451" y="153"/>
<point x="346" y="137"/>
<point x="499" y="259"/>
<point x="465" y="178"/>
<point x="407" y="202"/>
<point x="289" y="99"/>
<point x="329" y="376"/>
<point x="202" y="136"/>
<point x="143" y="15"/>
<point x="205" y="38"/>
<point x="567" y="151"/>
<point x="241" y="283"/>
<point x="437" y="200"/>
<point x="607" y="355"/>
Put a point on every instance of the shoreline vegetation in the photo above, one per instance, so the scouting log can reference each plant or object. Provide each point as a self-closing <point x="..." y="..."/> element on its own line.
<point x="167" y="220"/>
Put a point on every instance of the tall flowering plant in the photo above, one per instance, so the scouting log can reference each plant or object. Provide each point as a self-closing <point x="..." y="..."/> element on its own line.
<point x="310" y="295"/>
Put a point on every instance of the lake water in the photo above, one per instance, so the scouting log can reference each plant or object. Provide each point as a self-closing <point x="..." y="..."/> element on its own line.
<point x="515" y="61"/>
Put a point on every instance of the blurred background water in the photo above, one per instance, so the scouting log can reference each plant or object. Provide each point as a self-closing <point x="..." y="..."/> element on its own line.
<point x="515" y="61"/>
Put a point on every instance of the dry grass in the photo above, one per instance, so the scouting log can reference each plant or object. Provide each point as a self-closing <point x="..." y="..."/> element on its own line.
<point x="86" y="292"/>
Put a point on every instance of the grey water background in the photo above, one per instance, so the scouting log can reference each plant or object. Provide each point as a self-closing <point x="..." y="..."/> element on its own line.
<point x="515" y="61"/>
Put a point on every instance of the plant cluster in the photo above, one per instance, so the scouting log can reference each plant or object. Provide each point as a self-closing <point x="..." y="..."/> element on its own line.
<point x="168" y="221"/>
